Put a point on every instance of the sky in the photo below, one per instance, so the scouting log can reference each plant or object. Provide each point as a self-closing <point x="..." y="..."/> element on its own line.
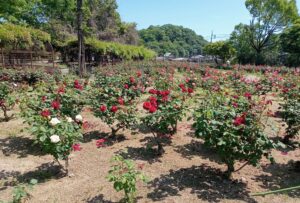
<point x="202" y="16"/>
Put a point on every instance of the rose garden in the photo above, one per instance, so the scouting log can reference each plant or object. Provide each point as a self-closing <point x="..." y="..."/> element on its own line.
<point x="174" y="130"/>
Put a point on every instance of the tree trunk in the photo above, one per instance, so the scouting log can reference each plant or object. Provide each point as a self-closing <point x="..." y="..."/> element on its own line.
<point x="81" y="47"/>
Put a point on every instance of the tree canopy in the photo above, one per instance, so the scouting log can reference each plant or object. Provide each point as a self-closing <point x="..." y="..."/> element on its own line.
<point x="221" y="49"/>
<point x="174" y="39"/>
<point x="268" y="17"/>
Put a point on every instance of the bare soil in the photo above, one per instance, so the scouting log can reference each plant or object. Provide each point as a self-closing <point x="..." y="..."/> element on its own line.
<point x="187" y="172"/>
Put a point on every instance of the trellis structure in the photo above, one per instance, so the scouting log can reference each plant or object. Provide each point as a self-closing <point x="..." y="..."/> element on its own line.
<point x="27" y="58"/>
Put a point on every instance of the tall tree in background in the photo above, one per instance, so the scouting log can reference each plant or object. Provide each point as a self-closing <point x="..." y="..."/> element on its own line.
<point x="81" y="48"/>
<point x="290" y="43"/>
<point x="268" y="17"/>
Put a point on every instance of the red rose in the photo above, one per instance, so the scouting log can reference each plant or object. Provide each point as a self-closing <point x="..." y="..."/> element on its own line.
<point x="132" y="80"/>
<point x="126" y="86"/>
<point x="152" y="109"/>
<point x="240" y="120"/>
<point x="100" y="142"/>
<point x="181" y="85"/>
<point x="153" y="101"/>
<point x="76" y="147"/>
<point x="56" y="105"/>
<point x="152" y="91"/>
<point x="114" y="109"/>
<point x="190" y="90"/>
<point x="183" y="89"/>
<point x="77" y="85"/>
<point x="121" y="101"/>
<point x="103" y="108"/>
<point x="139" y="74"/>
<point x="248" y="95"/>
<point x="147" y="105"/>
<point x="165" y="93"/>
<point x="45" y="113"/>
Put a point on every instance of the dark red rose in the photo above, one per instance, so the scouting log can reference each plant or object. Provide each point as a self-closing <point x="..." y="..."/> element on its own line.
<point x="103" y="108"/>
<point x="55" y="105"/>
<point x="114" y="109"/>
<point x="45" y="113"/>
<point x="147" y="105"/>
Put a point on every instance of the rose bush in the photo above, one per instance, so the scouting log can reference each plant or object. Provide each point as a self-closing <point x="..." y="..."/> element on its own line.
<point x="52" y="112"/>
<point x="7" y="99"/>
<point x="164" y="108"/>
<point x="114" y="100"/>
<point x="291" y="109"/>
<point x="230" y="125"/>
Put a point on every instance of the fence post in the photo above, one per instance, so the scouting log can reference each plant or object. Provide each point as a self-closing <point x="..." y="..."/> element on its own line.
<point x="3" y="59"/>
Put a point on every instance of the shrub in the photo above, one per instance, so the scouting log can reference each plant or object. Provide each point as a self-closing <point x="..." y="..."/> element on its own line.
<point x="124" y="175"/>
<point x="53" y="114"/>
<point x="229" y="125"/>
<point x="291" y="111"/>
<point x="114" y="101"/>
<point x="7" y="100"/>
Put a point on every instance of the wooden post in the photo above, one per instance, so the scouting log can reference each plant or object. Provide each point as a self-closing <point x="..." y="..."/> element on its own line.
<point x="3" y="59"/>
<point x="31" y="58"/>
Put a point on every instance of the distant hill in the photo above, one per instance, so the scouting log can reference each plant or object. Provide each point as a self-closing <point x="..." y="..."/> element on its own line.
<point x="174" y="39"/>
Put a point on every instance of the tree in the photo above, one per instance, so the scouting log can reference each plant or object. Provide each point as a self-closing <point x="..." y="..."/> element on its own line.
<point x="268" y="17"/>
<point x="239" y="39"/>
<point x="174" y="39"/>
<point x="222" y="49"/>
<point x="81" y="47"/>
<point x="290" y="43"/>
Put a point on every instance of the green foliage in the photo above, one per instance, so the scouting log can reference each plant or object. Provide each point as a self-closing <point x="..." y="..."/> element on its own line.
<point x="17" y="36"/>
<point x="231" y="127"/>
<point x="115" y="50"/>
<point x="222" y="49"/>
<point x="7" y="99"/>
<point x="268" y="18"/>
<point x="124" y="175"/>
<point x="114" y="101"/>
<point x="174" y="39"/>
<point x="52" y="112"/>
<point x="29" y="77"/>
<point x="290" y="43"/>
<point x="291" y="109"/>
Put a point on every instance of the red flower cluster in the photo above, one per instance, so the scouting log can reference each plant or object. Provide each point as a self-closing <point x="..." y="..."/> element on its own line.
<point x="184" y="89"/>
<point x="76" y="147"/>
<point x="45" y="113"/>
<point x="100" y="142"/>
<point x="77" y="85"/>
<point x="151" y="107"/>
<point x="55" y="105"/>
<point x="248" y="95"/>
<point x="240" y="120"/>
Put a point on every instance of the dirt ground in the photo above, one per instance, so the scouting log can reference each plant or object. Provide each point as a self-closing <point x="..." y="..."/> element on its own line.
<point x="187" y="172"/>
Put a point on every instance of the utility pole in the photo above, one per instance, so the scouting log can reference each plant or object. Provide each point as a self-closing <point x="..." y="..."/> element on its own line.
<point x="211" y="36"/>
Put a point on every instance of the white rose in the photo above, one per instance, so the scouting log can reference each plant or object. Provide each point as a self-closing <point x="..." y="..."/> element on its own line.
<point x="54" y="138"/>
<point x="69" y="119"/>
<point x="54" y="121"/>
<point x="78" y="118"/>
